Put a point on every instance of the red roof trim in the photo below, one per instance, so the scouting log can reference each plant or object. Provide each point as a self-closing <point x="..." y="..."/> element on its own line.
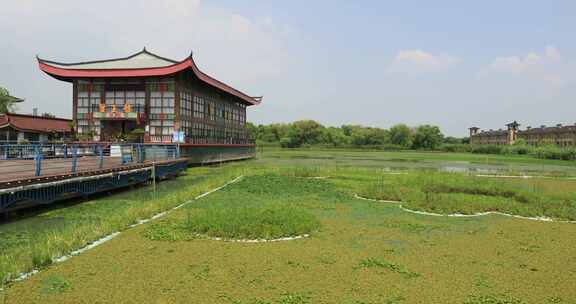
<point x="145" y="72"/>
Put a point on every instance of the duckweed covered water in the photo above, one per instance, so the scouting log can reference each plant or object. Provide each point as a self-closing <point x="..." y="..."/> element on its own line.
<point x="360" y="252"/>
<point x="364" y="252"/>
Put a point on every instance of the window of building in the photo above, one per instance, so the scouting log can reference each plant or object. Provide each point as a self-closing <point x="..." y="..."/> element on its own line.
<point x="117" y="95"/>
<point x="162" y="99"/>
<point x="89" y="95"/>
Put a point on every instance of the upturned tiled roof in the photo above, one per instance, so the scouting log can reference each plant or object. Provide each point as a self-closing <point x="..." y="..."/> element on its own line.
<point x="36" y="124"/>
<point x="140" y="60"/>
<point x="141" y="64"/>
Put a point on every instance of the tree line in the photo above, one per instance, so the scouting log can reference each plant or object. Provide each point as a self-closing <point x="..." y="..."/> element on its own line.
<point x="309" y="133"/>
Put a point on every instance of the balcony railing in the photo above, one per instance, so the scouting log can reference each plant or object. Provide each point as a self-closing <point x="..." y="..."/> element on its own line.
<point x="46" y="159"/>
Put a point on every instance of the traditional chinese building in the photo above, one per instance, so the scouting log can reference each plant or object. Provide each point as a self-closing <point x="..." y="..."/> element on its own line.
<point x="20" y="128"/>
<point x="154" y="99"/>
<point x="558" y="135"/>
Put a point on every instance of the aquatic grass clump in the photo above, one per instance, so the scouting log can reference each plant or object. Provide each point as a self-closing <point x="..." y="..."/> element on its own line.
<point x="274" y="185"/>
<point x="259" y="207"/>
<point x="308" y="171"/>
<point x="241" y="223"/>
<point x="295" y="298"/>
<point x="493" y="299"/>
<point x="451" y="193"/>
<point x="54" y="284"/>
<point x="377" y="263"/>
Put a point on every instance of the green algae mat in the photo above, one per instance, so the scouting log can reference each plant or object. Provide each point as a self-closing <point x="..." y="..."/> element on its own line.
<point x="357" y="251"/>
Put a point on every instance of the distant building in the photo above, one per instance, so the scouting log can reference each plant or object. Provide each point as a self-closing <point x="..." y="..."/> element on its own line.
<point x="559" y="135"/>
<point x="19" y="128"/>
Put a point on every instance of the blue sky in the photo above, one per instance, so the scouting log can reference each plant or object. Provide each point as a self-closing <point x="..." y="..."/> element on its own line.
<point x="450" y="63"/>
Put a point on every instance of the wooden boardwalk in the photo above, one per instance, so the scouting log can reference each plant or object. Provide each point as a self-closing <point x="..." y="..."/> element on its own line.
<point x="18" y="172"/>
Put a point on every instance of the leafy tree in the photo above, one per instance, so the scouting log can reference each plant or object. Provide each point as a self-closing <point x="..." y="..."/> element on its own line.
<point x="289" y="142"/>
<point x="272" y="132"/>
<point x="401" y="135"/>
<point x="362" y="136"/>
<point x="334" y="137"/>
<point x="453" y="140"/>
<point x="251" y="130"/>
<point x="7" y="102"/>
<point x="427" y="137"/>
<point x="310" y="132"/>
<point x="48" y="115"/>
<point x="304" y="132"/>
<point x="377" y="136"/>
<point x="347" y="129"/>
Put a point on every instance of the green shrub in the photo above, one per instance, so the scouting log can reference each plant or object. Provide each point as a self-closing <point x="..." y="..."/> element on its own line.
<point x="456" y="148"/>
<point x="517" y="149"/>
<point x="542" y="152"/>
<point x="553" y="152"/>
<point x="487" y="149"/>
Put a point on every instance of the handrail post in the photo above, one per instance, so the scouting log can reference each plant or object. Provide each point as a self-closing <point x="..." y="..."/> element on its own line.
<point x="65" y="151"/>
<point x="100" y="157"/>
<point x="121" y="154"/>
<point x="37" y="161"/>
<point x="74" y="158"/>
<point x="177" y="153"/>
<point x="139" y="153"/>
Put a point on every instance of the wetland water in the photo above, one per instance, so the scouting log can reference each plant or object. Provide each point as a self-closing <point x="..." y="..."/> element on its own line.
<point x="366" y="252"/>
<point x="394" y="161"/>
<point x="379" y="237"/>
<point x="33" y="220"/>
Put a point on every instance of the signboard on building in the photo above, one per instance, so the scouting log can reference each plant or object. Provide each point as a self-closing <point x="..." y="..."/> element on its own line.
<point x="130" y="115"/>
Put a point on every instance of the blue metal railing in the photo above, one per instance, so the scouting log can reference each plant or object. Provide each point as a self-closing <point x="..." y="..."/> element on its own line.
<point x="46" y="159"/>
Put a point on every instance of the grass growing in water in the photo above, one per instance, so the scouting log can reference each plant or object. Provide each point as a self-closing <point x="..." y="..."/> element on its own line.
<point x="456" y="193"/>
<point x="377" y="263"/>
<point x="267" y="222"/>
<point x="54" y="284"/>
<point x="448" y="259"/>
<point x="33" y="243"/>
<point x="255" y="208"/>
<point x="493" y="299"/>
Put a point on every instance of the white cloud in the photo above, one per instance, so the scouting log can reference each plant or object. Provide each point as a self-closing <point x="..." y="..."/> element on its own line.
<point x="415" y="61"/>
<point x="237" y="49"/>
<point x="544" y="66"/>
